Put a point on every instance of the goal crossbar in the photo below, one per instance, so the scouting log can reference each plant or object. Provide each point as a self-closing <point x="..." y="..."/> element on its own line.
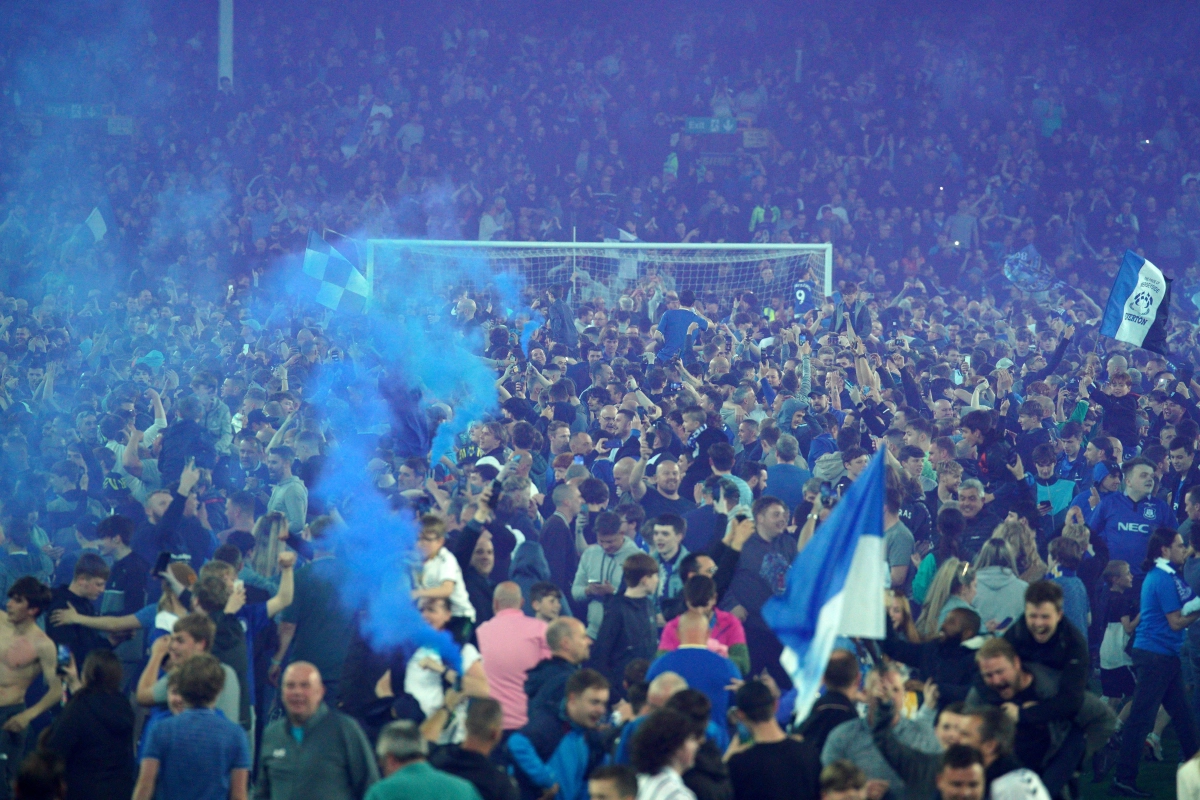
<point x="775" y="250"/>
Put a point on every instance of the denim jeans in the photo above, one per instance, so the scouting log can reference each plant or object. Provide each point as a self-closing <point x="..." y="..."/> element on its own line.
<point x="1159" y="682"/>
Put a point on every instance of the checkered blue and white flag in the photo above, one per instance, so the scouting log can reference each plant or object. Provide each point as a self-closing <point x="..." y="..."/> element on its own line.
<point x="337" y="283"/>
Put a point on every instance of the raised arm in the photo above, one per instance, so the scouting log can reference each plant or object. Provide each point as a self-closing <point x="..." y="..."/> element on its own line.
<point x="149" y="676"/>
<point x="637" y="477"/>
<point x="287" y="584"/>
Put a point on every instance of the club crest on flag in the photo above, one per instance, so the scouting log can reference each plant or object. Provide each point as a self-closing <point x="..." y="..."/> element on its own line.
<point x="1138" y="307"/>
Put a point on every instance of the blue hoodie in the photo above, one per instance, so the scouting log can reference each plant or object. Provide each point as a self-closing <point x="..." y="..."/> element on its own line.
<point x="552" y="749"/>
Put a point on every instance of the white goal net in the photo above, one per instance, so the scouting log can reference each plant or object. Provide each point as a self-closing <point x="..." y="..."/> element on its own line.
<point x="793" y="275"/>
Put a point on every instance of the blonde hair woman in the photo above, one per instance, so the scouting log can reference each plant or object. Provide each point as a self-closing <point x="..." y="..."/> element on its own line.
<point x="1000" y="594"/>
<point x="900" y="613"/>
<point x="1022" y="541"/>
<point x="953" y="587"/>
<point x="264" y="559"/>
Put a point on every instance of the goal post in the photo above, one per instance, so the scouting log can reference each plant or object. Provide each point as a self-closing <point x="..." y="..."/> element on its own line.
<point x="396" y="267"/>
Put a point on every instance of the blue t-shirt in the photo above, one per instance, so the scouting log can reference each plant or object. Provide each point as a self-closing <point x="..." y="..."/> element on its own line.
<point x="196" y="751"/>
<point x="253" y="619"/>
<point x="147" y="615"/>
<point x="674" y="328"/>
<point x="1163" y="591"/>
<point x="1127" y="526"/>
<point x="705" y="672"/>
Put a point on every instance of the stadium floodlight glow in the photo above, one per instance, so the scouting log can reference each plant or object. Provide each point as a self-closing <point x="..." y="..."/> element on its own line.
<point x="593" y="267"/>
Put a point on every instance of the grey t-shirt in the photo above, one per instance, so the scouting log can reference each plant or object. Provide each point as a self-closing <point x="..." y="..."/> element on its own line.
<point x="228" y="701"/>
<point x="898" y="543"/>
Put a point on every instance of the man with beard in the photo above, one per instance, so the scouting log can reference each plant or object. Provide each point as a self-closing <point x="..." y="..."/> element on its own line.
<point x="949" y="660"/>
<point x="1044" y="636"/>
<point x="248" y="472"/>
<point x="289" y="495"/>
<point x="1046" y="743"/>
<point x="664" y="497"/>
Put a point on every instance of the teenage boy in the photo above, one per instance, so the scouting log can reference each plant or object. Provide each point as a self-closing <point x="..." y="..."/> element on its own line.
<point x="628" y="631"/>
<point x="667" y="532"/>
<point x="1031" y="433"/>
<point x="197" y="747"/>
<point x="1054" y="493"/>
<point x="129" y="570"/>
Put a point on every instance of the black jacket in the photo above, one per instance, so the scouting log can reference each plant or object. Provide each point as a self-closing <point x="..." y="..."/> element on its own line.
<point x="709" y="777"/>
<point x="546" y="684"/>
<point x="627" y="633"/>
<point x="951" y="664"/>
<point x="831" y="710"/>
<point x="978" y="530"/>
<point x="94" y="735"/>
<point x="1066" y="652"/>
<point x="182" y="440"/>
<point x="151" y="539"/>
<point x="492" y="782"/>
<point x="700" y="469"/>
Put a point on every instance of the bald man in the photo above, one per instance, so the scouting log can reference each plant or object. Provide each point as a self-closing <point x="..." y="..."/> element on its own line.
<point x="660" y="690"/>
<point x="570" y="646"/>
<point x="704" y="670"/>
<point x="314" y="751"/>
<point x="511" y="644"/>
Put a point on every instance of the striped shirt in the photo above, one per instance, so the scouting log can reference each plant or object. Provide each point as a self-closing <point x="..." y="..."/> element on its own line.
<point x="666" y="785"/>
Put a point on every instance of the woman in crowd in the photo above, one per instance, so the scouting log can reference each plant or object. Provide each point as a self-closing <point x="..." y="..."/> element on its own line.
<point x="94" y="733"/>
<point x="950" y="525"/>
<point x="953" y="587"/>
<point x="1000" y="594"/>
<point x="900" y="612"/>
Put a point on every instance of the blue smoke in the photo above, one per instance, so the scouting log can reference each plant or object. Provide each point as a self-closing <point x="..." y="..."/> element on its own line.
<point x="410" y="355"/>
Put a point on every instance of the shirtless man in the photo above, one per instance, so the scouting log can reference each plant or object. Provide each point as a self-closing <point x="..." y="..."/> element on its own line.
<point x="24" y="650"/>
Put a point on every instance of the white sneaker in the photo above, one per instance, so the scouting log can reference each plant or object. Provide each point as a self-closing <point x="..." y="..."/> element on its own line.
<point x="1154" y="742"/>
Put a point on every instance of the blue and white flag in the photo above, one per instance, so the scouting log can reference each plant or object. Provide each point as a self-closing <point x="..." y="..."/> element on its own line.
<point x="1138" y="306"/>
<point x="100" y="221"/>
<point x="835" y="587"/>
<point x="338" y="283"/>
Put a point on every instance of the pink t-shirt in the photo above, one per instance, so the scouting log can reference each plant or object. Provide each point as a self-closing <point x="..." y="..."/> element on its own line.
<point x="726" y="632"/>
<point x="511" y="644"/>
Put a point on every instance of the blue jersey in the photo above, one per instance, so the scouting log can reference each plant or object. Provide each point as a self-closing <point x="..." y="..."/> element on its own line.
<point x="1163" y="592"/>
<point x="1127" y="526"/>
<point x="805" y="298"/>
<point x="674" y="328"/>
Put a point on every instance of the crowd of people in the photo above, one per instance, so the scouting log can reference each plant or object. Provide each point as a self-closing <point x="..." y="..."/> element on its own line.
<point x="179" y="430"/>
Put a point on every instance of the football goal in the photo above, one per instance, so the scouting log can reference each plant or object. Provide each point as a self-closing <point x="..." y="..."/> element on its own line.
<point x="797" y="275"/>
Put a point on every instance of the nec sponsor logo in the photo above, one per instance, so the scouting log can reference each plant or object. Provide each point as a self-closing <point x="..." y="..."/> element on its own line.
<point x="1133" y="527"/>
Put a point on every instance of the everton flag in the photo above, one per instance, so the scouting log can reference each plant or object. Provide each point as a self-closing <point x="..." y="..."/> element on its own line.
<point x="337" y="283"/>
<point x="835" y="587"/>
<point x="1138" y="305"/>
